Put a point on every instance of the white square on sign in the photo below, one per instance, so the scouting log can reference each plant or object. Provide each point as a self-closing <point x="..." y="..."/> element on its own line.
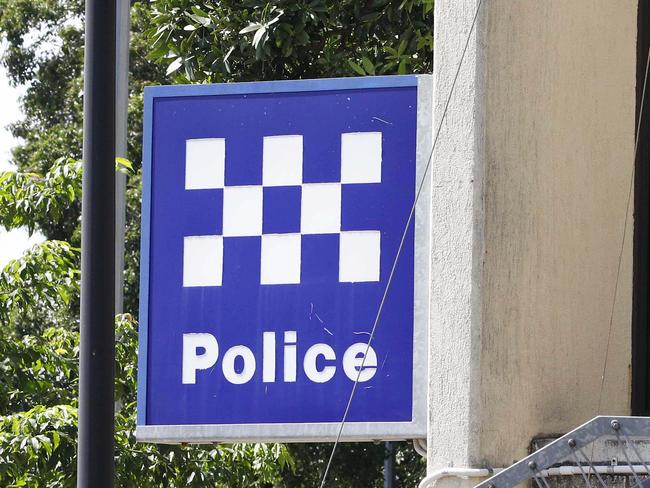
<point x="361" y="157"/>
<point x="280" y="259"/>
<point x="321" y="208"/>
<point x="359" y="253"/>
<point x="202" y="260"/>
<point x="205" y="163"/>
<point x="242" y="211"/>
<point x="282" y="161"/>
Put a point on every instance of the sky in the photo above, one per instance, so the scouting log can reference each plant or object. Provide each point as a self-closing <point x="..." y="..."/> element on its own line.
<point x="12" y="244"/>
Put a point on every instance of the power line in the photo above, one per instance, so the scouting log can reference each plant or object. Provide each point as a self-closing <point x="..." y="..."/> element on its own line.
<point x="399" y="249"/>
<point x="620" y="254"/>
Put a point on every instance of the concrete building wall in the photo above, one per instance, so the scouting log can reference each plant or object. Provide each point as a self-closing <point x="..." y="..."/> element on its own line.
<point x="530" y="185"/>
<point x="457" y="237"/>
<point x="560" y="113"/>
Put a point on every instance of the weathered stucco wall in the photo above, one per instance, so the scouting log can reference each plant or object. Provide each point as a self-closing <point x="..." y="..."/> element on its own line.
<point x="559" y="155"/>
<point x="457" y="252"/>
<point x="530" y="181"/>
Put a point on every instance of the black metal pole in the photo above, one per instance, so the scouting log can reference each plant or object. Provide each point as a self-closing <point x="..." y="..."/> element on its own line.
<point x="97" y="350"/>
<point x="389" y="465"/>
<point x="122" y="31"/>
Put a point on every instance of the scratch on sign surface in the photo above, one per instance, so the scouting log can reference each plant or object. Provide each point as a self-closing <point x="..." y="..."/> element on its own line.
<point x="382" y="120"/>
<point x="383" y="362"/>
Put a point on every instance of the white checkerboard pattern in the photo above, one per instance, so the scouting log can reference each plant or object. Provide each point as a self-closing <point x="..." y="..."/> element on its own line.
<point x="280" y="259"/>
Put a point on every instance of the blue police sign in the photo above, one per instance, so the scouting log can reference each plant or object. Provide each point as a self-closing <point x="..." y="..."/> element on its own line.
<point x="272" y="214"/>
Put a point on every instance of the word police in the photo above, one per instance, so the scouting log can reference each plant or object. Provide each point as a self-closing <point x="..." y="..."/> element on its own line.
<point x="201" y="351"/>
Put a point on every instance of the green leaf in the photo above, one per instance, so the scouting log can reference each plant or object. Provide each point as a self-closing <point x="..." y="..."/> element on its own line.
<point x="174" y="66"/>
<point x="275" y="19"/>
<point x="358" y="69"/>
<point x="123" y="165"/>
<point x="250" y="28"/>
<point x="259" y="37"/>
<point x="368" y="66"/>
<point x="47" y="445"/>
<point x="204" y="21"/>
<point x="200" y="12"/>
<point x="402" y="47"/>
<point x="225" y="58"/>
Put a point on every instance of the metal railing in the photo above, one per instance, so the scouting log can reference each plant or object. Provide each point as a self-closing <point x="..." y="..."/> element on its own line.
<point x="570" y="448"/>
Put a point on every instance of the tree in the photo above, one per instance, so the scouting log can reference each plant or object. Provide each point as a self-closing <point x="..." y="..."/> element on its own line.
<point x="259" y="40"/>
<point x="39" y="369"/>
<point x="44" y="50"/>
<point x="39" y="423"/>
<point x="174" y="41"/>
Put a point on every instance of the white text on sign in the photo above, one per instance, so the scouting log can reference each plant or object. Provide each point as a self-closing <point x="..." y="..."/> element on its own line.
<point x="201" y="351"/>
